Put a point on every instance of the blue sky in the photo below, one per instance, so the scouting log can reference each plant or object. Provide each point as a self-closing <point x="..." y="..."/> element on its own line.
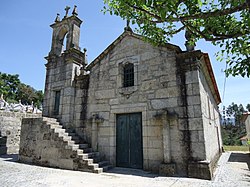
<point x="26" y="40"/>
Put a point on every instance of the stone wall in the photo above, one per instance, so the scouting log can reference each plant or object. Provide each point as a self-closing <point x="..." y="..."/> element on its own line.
<point x="206" y="139"/>
<point x="196" y="129"/>
<point x="211" y="120"/>
<point x="42" y="144"/>
<point x="10" y="127"/>
<point x="156" y="94"/>
<point x="169" y="93"/>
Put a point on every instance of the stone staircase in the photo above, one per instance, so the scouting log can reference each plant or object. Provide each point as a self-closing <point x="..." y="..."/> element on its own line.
<point x="84" y="158"/>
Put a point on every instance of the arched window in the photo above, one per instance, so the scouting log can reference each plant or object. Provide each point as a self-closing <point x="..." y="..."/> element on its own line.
<point x="62" y="38"/>
<point x="64" y="42"/>
<point x="128" y="75"/>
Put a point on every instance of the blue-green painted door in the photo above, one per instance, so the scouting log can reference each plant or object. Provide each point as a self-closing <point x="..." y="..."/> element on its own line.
<point x="129" y="141"/>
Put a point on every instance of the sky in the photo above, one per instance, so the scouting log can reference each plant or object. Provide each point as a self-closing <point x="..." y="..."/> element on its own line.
<point x="26" y="36"/>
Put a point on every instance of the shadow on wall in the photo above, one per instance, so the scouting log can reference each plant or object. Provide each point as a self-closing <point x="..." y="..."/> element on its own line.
<point x="3" y="147"/>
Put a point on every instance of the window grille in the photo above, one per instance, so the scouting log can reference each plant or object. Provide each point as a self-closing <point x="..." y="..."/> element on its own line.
<point x="128" y="75"/>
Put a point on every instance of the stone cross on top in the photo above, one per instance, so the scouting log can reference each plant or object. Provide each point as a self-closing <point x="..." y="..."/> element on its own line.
<point x="67" y="8"/>
<point x="67" y="11"/>
<point x="128" y="28"/>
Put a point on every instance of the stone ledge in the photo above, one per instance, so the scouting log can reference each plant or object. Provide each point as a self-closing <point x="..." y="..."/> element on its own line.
<point x="200" y="169"/>
<point x="203" y="169"/>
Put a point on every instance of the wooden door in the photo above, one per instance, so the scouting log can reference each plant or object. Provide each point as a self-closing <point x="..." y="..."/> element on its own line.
<point x="129" y="141"/>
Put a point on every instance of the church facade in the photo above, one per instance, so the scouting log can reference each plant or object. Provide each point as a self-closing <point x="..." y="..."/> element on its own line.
<point x="140" y="106"/>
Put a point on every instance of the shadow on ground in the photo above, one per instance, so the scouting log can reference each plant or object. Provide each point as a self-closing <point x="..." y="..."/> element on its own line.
<point x="240" y="157"/>
<point x="129" y="171"/>
<point x="10" y="157"/>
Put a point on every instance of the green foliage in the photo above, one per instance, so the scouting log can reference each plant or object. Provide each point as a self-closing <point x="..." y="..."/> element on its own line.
<point x="248" y="107"/>
<point x="13" y="90"/>
<point x="224" y="23"/>
<point x="232" y="127"/>
<point x="8" y="85"/>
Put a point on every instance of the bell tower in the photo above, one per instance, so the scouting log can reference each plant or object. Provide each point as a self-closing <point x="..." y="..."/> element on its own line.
<point x="66" y="33"/>
<point x="65" y="62"/>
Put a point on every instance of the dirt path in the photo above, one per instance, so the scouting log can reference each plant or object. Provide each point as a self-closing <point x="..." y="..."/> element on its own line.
<point x="233" y="170"/>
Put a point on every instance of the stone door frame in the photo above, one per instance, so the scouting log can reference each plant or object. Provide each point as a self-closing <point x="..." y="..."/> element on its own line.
<point x="126" y="109"/>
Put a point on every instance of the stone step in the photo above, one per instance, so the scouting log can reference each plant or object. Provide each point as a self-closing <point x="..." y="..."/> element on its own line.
<point x="92" y="166"/>
<point x="79" y="151"/>
<point x="106" y="168"/>
<point x="47" y="119"/>
<point x="98" y="170"/>
<point x="72" y="147"/>
<point x="88" y="161"/>
<point x="97" y="159"/>
<point x="83" y="156"/>
<point x="94" y="155"/>
<point x="76" y="141"/>
<point x="87" y="150"/>
<point x="69" y="131"/>
<point x="70" y="142"/>
<point x="83" y="146"/>
<point x="103" y="163"/>
<point x="60" y="131"/>
<point x="74" y="137"/>
<point x="55" y="126"/>
<point x="67" y="138"/>
<point x="71" y="134"/>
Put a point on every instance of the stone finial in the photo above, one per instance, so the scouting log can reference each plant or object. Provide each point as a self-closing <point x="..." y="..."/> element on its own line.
<point x="57" y="18"/>
<point x="188" y="36"/>
<point x="85" y="55"/>
<point x="75" y="12"/>
<point x="66" y="11"/>
<point x="128" y="28"/>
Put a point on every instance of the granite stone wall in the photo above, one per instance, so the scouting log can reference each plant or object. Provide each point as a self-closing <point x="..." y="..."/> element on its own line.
<point x="156" y="94"/>
<point x="10" y="127"/>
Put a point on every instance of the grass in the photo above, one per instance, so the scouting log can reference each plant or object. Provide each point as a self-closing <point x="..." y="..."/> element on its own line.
<point x="236" y="148"/>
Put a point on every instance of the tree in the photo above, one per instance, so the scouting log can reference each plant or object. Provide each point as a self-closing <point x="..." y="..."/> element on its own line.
<point x="13" y="90"/>
<point x="233" y="129"/>
<point x="224" y="23"/>
<point x="248" y="107"/>
<point x="8" y="85"/>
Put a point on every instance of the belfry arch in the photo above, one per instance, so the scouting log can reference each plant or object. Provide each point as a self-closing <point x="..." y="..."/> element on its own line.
<point x="63" y="42"/>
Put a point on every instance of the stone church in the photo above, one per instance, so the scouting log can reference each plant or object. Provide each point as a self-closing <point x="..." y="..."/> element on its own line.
<point x="135" y="106"/>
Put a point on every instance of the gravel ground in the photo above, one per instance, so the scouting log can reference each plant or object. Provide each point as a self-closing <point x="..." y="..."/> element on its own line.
<point x="232" y="170"/>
